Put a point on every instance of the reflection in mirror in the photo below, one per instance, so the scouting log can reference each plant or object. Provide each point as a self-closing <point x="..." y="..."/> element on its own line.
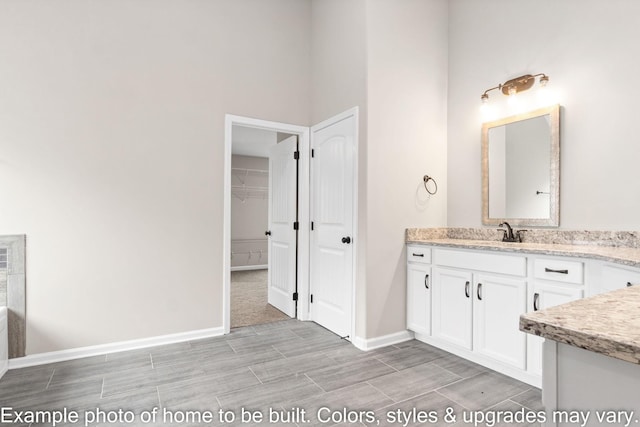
<point x="520" y="159"/>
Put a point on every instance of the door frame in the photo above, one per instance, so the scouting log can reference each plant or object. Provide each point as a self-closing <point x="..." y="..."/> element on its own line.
<point x="303" y="210"/>
<point x="354" y="111"/>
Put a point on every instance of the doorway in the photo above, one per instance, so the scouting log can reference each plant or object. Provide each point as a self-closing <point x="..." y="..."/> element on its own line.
<point x="252" y="247"/>
<point x="336" y="144"/>
<point x="262" y="250"/>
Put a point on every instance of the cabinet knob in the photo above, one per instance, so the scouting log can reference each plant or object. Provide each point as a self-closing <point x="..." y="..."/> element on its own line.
<point x="466" y="289"/>
<point x="479" y="292"/>
<point x="536" y="301"/>
<point x="426" y="281"/>
<point x="629" y="284"/>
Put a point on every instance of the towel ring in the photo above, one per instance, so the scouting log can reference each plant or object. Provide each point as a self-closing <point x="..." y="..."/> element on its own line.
<point x="426" y="180"/>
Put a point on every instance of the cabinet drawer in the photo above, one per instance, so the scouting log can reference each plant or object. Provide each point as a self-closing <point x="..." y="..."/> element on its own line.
<point x="482" y="261"/>
<point x="418" y="253"/>
<point x="559" y="270"/>
<point x="618" y="278"/>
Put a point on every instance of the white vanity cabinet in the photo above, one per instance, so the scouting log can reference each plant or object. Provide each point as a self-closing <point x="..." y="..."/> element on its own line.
<point x="480" y="312"/>
<point x="499" y="302"/>
<point x="452" y="304"/>
<point x="477" y="299"/>
<point x="469" y="302"/>
<point x="419" y="289"/>
<point x="555" y="281"/>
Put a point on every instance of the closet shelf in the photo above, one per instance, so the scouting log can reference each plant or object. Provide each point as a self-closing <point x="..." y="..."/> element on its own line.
<point x="242" y="173"/>
<point x="244" y="192"/>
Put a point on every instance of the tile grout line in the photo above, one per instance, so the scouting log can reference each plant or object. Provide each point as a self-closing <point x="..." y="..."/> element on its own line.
<point x="158" y="395"/>
<point x="254" y="374"/>
<point x="229" y="344"/>
<point x="525" y="406"/>
<point x="151" y="359"/>
<point x="317" y="385"/>
<point x="278" y="351"/>
<point x="50" y="379"/>
<point x="454" y="401"/>
<point x="498" y="403"/>
<point x="385" y="395"/>
<point x="102" y="389"/>
<point x="386" y="364"/>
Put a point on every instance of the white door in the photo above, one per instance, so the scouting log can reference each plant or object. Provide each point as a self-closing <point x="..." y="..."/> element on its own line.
<point x="331" y="264"/>
<point x="451" y="306"/>
<point x="281" y="233"/>
<point x="499" y="302"/>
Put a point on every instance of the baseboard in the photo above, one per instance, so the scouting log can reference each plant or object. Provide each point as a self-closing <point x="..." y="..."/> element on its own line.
<point x="97" y="350"/>
<point x="365" y="344"/>
<point x="249" y="267"/>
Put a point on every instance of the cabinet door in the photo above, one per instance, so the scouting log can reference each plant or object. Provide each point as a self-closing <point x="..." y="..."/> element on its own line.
<point x="614" y="277"/>
<point x="498" y="304"/>
<point x="546" y="295"/>
<point x="419" y="298"/>
<point x="451" y="306"/>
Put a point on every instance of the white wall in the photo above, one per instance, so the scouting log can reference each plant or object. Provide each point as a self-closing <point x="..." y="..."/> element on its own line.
<point x="338" y="83"/>
<point x="389" y="58"/>
<point x="407" y="138"/>
<point x="111" y="152"/>
<point x="586" y="47"/>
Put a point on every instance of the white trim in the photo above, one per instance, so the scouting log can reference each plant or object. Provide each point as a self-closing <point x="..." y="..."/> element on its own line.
<point x="249" y="267"/>
<point x="96" y="350"/>
<point x="383" y="341"/>
<point x="356" y="134"/>
<point x="303" y="211"/>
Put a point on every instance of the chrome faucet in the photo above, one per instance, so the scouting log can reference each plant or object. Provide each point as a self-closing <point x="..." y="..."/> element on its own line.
<point x="508" y="235"/>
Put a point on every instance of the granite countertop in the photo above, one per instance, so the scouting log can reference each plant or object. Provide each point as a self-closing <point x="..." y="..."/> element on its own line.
<point x="613" y="332"/>
<point x="602" y="250"/>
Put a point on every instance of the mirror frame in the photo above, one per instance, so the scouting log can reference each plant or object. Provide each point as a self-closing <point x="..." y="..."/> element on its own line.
<point x="554" y="169"/>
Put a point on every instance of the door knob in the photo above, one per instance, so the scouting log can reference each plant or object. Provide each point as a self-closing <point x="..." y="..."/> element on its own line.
<point x="267" y="233"/>
<point x="346" y="240"/>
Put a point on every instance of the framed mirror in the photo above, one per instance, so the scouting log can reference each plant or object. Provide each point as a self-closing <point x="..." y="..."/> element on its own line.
<point x="521" y="169"/>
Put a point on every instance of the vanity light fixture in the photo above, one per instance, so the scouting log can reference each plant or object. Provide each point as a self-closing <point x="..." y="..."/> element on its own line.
<point x="519" y="84"/>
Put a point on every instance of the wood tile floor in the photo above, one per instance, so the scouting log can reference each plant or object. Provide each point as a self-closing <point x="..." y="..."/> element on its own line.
<point x="287" y="366"/>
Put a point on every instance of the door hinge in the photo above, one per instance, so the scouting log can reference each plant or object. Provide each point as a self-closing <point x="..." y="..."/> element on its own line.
<point x="295" y="225"/>
<point x="295" y="296"/>
<point x="311" y="225"/>
<point x="296" y="155"/>
<point x="311" y="298"/>
<point x="313" y="152"/>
